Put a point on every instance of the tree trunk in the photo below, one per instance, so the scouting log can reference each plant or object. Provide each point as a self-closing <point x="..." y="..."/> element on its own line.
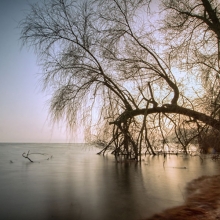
<point x="172" y="109"/>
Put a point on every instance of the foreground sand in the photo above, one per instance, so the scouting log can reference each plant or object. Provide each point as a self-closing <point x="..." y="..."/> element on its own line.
<point x="202" y="201"/>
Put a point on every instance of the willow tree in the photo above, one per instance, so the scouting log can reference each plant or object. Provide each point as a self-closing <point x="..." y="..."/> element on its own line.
<point x="113" y="66"/>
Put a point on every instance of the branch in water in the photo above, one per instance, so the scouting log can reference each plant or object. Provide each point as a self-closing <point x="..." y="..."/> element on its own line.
<point x="27" y="156"/>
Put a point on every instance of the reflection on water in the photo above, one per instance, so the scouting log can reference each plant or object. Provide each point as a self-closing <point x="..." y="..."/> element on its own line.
<point x="78" y="184"/>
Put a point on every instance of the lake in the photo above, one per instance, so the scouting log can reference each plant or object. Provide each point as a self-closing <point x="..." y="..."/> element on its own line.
<point x="72" y="182"/>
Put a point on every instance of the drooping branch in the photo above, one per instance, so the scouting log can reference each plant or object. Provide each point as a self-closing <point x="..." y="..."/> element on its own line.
<point x="98" y="61"/>
<point x="170" y="109"/>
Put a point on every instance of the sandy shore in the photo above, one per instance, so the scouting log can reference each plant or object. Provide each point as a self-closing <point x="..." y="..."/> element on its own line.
<point x="202" y="201"/>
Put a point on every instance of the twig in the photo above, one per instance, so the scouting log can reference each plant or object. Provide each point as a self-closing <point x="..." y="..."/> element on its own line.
<point x="26" y="156"/>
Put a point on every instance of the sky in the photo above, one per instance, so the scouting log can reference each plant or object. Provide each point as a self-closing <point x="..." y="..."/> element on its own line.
<point x="24" y="115"/>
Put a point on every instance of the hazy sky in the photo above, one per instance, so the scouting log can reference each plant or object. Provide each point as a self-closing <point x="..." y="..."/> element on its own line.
<point x="23" y="106"/>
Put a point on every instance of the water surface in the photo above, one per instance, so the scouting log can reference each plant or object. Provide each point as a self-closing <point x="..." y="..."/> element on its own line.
<point x="78" y="184"/>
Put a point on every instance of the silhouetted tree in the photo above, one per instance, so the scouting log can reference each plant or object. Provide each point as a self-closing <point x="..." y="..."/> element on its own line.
<point x="127" y="74"/>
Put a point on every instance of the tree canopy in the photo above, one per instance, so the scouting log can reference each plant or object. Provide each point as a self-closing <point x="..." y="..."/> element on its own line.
<point x="133" y="72"/>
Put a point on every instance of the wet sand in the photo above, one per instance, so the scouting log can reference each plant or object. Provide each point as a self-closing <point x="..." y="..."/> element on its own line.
<point x="202" y="201"/>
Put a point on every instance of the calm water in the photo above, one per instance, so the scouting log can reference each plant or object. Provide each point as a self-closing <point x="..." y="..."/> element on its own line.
<point x="78" y="184"/>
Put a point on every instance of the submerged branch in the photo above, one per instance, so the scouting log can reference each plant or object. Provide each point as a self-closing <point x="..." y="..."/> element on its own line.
<point x="27" y="155"/>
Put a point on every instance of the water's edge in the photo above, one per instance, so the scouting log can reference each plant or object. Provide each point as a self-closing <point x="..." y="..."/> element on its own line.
<point x="75" y="183"/>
